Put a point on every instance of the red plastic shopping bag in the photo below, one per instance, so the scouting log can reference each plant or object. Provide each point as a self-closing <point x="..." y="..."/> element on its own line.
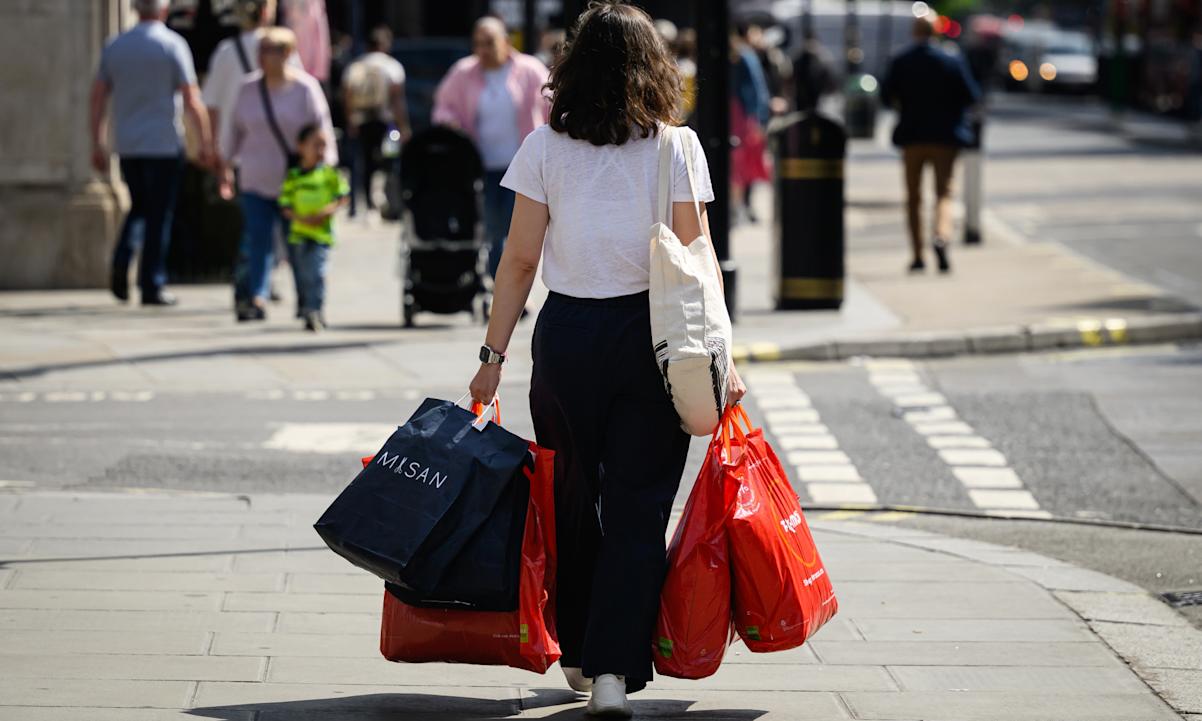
<point x="522" y="639"/>
<point x="693" y="630"/>
<point x="782" y="593"/>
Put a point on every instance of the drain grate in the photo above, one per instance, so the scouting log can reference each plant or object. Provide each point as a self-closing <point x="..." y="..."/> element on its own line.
<point x="1181" y="599"/>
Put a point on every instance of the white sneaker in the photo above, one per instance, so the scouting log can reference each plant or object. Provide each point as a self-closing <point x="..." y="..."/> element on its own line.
<point x="577" y="680"/>
<point x="609" y="697"/>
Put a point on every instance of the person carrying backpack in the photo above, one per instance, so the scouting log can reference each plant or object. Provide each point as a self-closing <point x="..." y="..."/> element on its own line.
<point x="374" y="97"/>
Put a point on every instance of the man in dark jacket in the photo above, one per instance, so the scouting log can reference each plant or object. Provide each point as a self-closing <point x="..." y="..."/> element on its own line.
<point x="932" y="91"/>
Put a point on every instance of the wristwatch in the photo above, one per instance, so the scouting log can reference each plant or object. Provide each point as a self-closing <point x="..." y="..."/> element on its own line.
<point x="488" y="356"/>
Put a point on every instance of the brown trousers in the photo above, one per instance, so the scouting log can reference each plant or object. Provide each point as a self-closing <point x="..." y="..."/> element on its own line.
<point x="914" y="159"/>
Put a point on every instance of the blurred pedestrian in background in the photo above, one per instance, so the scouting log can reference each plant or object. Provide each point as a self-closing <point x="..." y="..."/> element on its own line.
<point x="307" y="19"/>
<point x="749" y="112"/>
<point x="685" y="49"/>
<point x="496" y="96"/>
<point x="233" y="60"/>
<point x="312" y="192"/>
<point x="147" y="71"/>
<point x="778" y="68"/>
<point x="373" y="97"/>
<point x="272" y="107"/>
<point x="932" y="91"/>
<point x="813" y="74"/>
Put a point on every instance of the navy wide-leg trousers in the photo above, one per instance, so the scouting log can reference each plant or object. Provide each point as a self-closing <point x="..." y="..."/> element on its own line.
<point x="598" y="400"/>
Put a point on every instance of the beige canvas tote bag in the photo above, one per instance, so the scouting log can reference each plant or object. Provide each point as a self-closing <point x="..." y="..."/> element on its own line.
<point x="690" y="326"/>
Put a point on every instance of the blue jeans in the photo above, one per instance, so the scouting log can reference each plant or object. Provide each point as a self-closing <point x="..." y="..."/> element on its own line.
<point x="309" y="260"/>
<point x="261" y="220"/>
<point x="498" y="211"/>
<point x="152" y="184"/>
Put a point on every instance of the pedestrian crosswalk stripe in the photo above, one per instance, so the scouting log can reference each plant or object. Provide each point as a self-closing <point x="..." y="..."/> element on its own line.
<point x="972" y="457"/>
<point x="1009" y="499"/>
<point x="984" y="472"/>
<point x="806" y="442"/>
<point x="841" y="492"/>
<point x="944" y="428"/>
<point x="843" y="473"/>
<point x="827" y="474"/>
<point x="1015" y="513"/>
<point x="957" y="442"/>
<point x="988" y="477"/>
<point x="330" y="437"/>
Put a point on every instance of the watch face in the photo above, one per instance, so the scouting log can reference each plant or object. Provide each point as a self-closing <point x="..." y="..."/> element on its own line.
<point x="484" y="354"/>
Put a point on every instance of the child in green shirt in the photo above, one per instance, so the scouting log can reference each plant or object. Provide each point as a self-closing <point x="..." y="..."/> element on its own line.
<point x="309" y="197"/>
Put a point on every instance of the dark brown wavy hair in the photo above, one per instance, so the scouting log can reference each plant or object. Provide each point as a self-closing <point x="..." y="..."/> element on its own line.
<point x="615" y="78"/>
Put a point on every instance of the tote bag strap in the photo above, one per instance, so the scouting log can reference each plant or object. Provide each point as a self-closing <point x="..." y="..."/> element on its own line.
<point x="664" y="193"/>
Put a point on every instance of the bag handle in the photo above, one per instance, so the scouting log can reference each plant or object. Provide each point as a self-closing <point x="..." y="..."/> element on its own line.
<point x="731" y="425"/>
<point x="479" y="409"/>
<point x="663" y="204"/>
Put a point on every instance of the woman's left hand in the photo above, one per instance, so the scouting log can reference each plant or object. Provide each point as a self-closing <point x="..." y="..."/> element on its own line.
<point x="735" y="389"/>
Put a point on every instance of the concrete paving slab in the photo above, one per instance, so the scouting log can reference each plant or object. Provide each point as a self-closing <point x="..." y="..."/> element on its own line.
<point x="1066" y="680"/>
<point x="116" y="532"/>
<point x="839" y="628"/>
<point x="108" y="693"/>
<point x="975" y="630"/>
<point x="279" y="645"/>
<point x="851" y="554"/>
<point x="361" y="582"/>
<point x="289" y="698"/>
<point x="6" y="576"/>
<point x="738" y="653"/>
<point x="950" y="653"/>
<point x="1006" y="706"/>
<point x="147" y="581"/>
<point x="132" y="667"/>
<point x="698" y="703"/>
<point x="793" y="677"/>
<point x="145" y="516"/>
<point x="101" y="504"/>
<point x="917" y="571"/>
<point x="14" y="547"/>
<point x="1076" y="579"/>
<point x="33" y="713"/>
<point x="202" y="563"/>
<point x="945" y="600"/>
<point x="338" y="602"/>
<point x="156" y="621"/>
<point x="1121" y="608"/>
<point x="112" y="600"/>
<point x="42" y="641"/>
<point x="73" y="548"/>
<point x="328" y="623"/>
<point x="319" y="560"/>
<point x="1180" y="687"/>
<point x="1160" y="647"/>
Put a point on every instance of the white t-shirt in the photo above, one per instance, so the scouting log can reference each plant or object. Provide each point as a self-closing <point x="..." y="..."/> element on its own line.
<point x="384" y="65"/>
<point x="602" y="206"/>
<point x="497" y="120"/>
<point x="225" y="77"/>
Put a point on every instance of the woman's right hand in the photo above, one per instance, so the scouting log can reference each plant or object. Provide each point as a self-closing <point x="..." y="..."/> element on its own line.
<point x="484" y="386"/>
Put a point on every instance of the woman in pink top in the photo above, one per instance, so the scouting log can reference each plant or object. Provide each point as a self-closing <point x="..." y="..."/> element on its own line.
<point x="262" y="151"/>
<point x="496" y="96"/>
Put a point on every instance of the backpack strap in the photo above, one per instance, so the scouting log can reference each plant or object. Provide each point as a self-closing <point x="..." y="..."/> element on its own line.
<point x="242" y="59"/>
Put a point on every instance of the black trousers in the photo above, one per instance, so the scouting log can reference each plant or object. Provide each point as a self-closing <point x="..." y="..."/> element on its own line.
<point x="368" y="148"/>
<point x="152" y="183"/>
<point x="598" y="400"/>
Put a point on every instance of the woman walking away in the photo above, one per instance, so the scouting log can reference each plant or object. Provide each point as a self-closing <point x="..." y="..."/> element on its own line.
<point x="586" y="189"/>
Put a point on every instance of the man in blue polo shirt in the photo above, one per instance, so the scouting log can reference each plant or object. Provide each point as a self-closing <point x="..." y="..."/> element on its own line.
<point x="932" y="91"/>
<point x="147" y="71"/>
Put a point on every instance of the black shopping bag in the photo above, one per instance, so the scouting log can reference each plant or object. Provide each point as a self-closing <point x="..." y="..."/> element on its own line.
<point x="423" y="496"/>
<point x="484" y="576"/>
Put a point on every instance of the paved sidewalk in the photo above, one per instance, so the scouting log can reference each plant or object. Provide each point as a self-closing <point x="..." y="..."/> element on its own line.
<point x="146" y="607"/>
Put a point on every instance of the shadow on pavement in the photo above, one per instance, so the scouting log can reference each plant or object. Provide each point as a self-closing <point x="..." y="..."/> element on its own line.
<point x="422" y="706"/>
<point x="37" y="370"/>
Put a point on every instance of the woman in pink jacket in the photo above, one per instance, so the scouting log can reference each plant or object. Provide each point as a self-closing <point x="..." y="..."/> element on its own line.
<point x="495" y="96"/>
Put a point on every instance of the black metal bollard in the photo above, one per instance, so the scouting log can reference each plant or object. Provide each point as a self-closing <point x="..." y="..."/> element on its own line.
<point x="810" y="155"/>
